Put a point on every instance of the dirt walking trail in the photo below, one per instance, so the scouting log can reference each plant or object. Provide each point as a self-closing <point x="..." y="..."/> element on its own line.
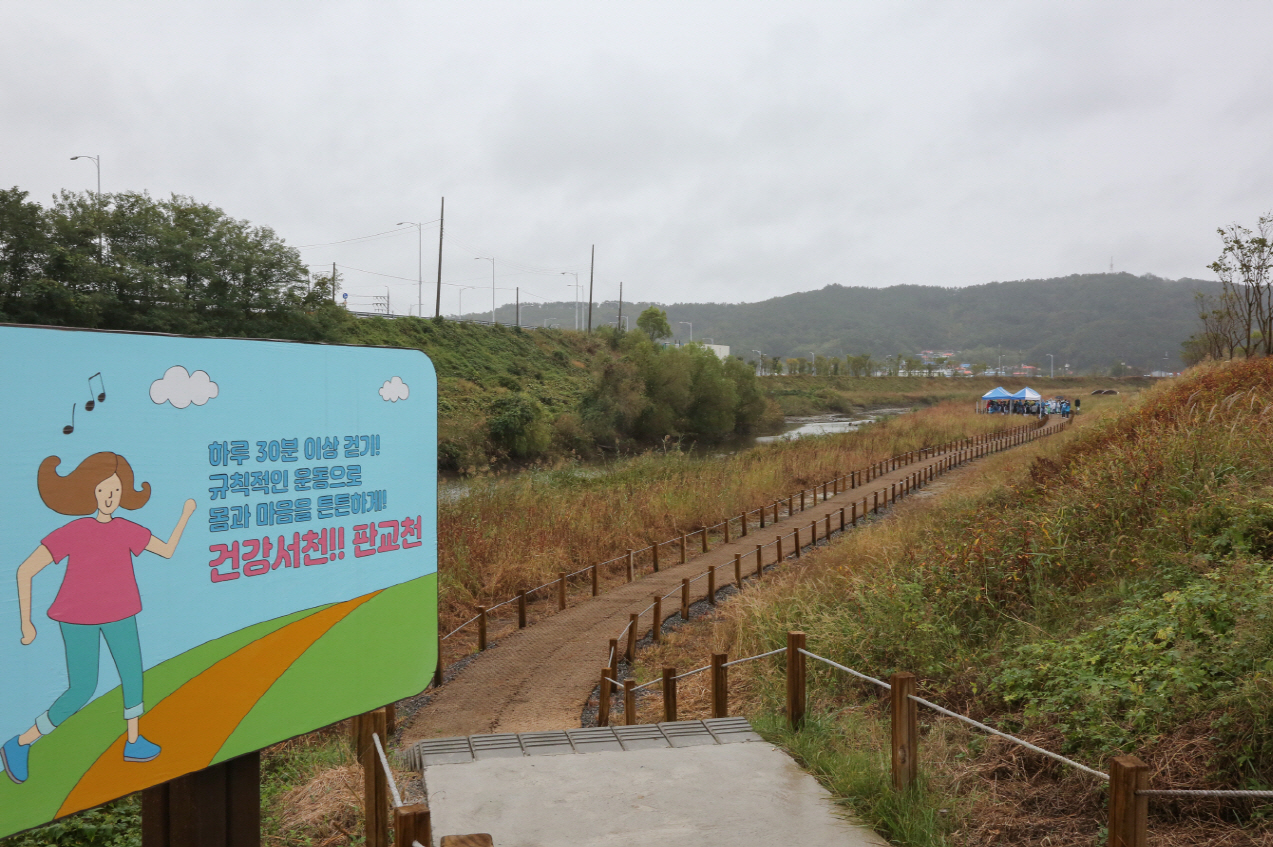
<point x="539" y="677"/>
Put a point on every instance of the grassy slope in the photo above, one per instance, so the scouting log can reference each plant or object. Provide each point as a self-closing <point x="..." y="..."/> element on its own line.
<point x="1114" y="597"/>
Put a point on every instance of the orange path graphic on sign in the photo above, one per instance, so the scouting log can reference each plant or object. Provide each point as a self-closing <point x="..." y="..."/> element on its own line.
<point x="193" y="722"/>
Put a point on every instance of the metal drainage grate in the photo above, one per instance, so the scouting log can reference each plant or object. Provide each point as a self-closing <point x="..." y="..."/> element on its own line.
<point x="449" y="751"/>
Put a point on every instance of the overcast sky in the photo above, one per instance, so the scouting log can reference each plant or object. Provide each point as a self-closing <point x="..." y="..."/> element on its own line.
<point x="713" y="151"/>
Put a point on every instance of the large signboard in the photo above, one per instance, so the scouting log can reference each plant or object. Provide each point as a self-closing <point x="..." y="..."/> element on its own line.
<point x="206" y="546"/>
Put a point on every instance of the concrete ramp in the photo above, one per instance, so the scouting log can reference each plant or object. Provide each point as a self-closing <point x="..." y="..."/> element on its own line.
<point x="708" y="783"/>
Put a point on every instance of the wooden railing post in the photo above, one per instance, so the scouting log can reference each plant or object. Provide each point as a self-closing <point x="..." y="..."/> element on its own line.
<point x="763" y="511"/>
<point x="682" y="548"/>
<point x="481" y="627"/>
<point x="521" y="609"/>
<point x="655" y="549"/>
<point x="669" y="694"/>
<point x="791" y="505"/>
<point x="797" y="541"/>
<point x="743" y="520"/>
<point x="905" y="730"/>
<point x="780" y="556"/>
<point x="841" y="519"/>
<point x="738" y="570"/>
<point x="631" y="566"/>
<point x="656" y="628"/>
<point x="614" y="658"/>
<point x="630" y="651"/>
<point x="411" y="824"/>
<point x="760" y="564"/>
<point x="727" y="530"/>
<point x="703" y="530"/>
<point x="802" y="499"/>
<point x="375" y="786"/>
<point x="561" y="588"/>
<point x="876" y="497"/>
<point x="603" y="704"/>
<point x="629" y="702"/>
<point x="827" y="533"/>
<point x="685" y="599"/>
<point x="855" y="513"/>
<point x="594" y="580"/>
<point x="795" y="680"/>
<point x="711" y="585"/>
<point x="1128" y="812"/>
<point x="720" y="685"/>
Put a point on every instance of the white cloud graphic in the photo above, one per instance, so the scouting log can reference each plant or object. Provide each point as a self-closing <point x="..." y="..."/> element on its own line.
<point x="394" y="390"/>
<point x="181" y="388"/>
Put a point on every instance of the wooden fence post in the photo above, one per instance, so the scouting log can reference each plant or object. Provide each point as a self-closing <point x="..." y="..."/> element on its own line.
<point x="720" y="686"/>
<point x="905" y="716"/>
<point x="711" y="585"/>
<point x="1128" y="812"/>
<point x="827" y="533"/>
<point x="481" y="628"/>
<point x="760" y="563"/>
<point x="411" y="824"/>
<point x="855" y="514"/>
<point x="521" y="609"/>
<point x="743" y="520"/>
<point x="797" y="541"/>
<point x="682" y="548"/>
<point x="656" y="628"/>
<point x="669" y="694"/>
<point x="780" y="556"/>
<point x="841" y="519"/>
<point x="561" y="588"/>
<point x="633" y="622"/>
<point x="375" y="786"/>
<point x="685" y="599"/>
<point x="876" y="496"/>
<point x="763" y="511"/>
<point x="703" y="530"/>
<point x="655" y="550"/>
<point x="791" y="505"/>
<point x="629" y="702"/>
<point x="594" y="580"/>
<point x="795" y="679"/>
<point x="802" y="499"/>
<point x="614" y="658"/>
<point x="738" y="569"/>
<point x="603" y="704"/>
<point x="727" y="530"/>
<point x="631" y="566"/>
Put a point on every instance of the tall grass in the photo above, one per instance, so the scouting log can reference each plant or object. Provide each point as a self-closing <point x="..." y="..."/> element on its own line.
<point x="1113" y="596"/>
<point x="516" y="532"/>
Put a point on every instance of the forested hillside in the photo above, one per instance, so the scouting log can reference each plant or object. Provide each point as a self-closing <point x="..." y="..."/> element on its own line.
<point x="1087" y="321"/>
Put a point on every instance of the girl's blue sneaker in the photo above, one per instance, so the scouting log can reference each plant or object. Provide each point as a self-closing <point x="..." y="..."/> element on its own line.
<point x="140" y="750"/>
<point x="14" y="756"/>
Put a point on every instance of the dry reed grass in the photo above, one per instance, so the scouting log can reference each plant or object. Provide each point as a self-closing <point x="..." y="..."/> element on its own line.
<point x="519" y="532"/>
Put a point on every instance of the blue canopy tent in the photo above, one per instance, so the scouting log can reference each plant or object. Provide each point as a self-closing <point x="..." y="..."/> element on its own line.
<point x="1026" y="394"/>
<point x="997" y="394"/>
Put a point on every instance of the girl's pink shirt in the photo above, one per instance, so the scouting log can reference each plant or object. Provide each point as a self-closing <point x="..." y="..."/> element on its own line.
<point x="99" y="586"/>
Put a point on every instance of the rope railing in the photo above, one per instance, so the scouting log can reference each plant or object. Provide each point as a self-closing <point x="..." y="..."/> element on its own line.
<point x="384" y="763"/>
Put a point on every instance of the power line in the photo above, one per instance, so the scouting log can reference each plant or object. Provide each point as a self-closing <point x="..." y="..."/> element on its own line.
<point x="387" y="232"/>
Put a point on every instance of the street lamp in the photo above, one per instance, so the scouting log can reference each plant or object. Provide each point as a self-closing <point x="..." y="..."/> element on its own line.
<point x="1051" y="362"/>
<point x="762" y="361"/>
<point x="576" y="285"/>
<point x="463" y="288"/>
<point x="419" y="262"/>
<point x="691" y="326"/>
<point x="97" y="160"/>
<point x="490" y="259"/>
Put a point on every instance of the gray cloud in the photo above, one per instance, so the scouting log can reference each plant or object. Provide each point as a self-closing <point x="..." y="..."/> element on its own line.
<point x="712" y="151"/>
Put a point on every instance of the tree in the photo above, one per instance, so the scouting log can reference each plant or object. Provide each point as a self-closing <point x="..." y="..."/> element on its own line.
<point x="653" y="322"/>
<point x="1245" y="268"/>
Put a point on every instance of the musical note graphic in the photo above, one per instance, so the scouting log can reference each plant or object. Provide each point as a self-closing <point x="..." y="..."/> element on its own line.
<point x="69" y="428"/>
<point x="101" y="398"/>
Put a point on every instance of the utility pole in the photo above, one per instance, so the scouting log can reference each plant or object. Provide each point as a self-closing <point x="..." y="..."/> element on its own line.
<point x="437" y="310"/>
<point x="592" y="267"/>
<point x="620" y="303"/>
<point x="333" y="282"/>
<point x="517" y="310"/>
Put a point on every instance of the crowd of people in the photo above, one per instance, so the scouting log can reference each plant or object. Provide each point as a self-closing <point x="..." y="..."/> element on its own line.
<point x="1038" y="408"/>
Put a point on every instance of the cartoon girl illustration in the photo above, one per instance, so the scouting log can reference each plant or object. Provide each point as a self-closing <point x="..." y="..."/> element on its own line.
<point x="98" y="598"/>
